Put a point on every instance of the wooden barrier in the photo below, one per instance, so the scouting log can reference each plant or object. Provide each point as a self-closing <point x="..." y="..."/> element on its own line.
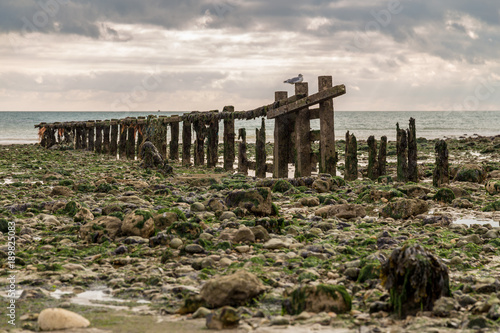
<point x="121" y="138"/>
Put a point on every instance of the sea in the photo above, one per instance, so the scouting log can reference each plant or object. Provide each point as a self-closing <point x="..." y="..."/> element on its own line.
<point x="19" y="127"/>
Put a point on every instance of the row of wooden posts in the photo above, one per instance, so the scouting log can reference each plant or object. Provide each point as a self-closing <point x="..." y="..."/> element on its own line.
<point x="292" y="137"/>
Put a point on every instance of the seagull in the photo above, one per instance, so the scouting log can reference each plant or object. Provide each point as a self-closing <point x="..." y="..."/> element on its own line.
<point x="297" y="79"/>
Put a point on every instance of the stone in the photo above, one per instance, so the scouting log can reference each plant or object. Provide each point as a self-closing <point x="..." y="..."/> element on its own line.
<point x="234" y="290"/>
<point x="176" y="243"/>
<point x="474" y="238"/>
<point x="108" y="226"/>
<point x="260" y="233"/>
<point x="471" y="173"/>
<point x="319" y="298"/>
<point x="216" y="205"/>
<point x="194" y="248"/>
<point x="491" y="234"/>
<point x="243" y="235"/>
<point x="404" y="208"/>
<point x="202" y="312"/>
<point x="493" y="186"/>
<point x="135" y="200"/>
<point x="198" y="207"/>
<point x="275" y="244"/>
<point x="257" y="201"/>
<point x="321" y="186"/>
<point x="444" y="305"/>
<point x="309" y="201"/>
<point x="165" y="220"/>
<point x="59" y="319"/>
<point x="227" y="216"/>
<point x="134" y="225"/>
<point x="224" y="318"/>
<point x="61" y="191"/>
<point x="84" y="214"/>
<point x="346" y="211"/>
<point x="280" y="321"/>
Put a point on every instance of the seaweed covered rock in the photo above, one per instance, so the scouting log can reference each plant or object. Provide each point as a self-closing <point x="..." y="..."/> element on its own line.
<point x="257" y="201"/>
<point x="415" y="279"/>
<point x="493" y="186"/>
<point x="282" y="185"/>
<point x="152" y="159"/>
<point x="105" y="226"/>
<point x="404" y="208"/>
<point x="138" y="223"/>
<point x="224" y="318"/>
<point x="319" y="298"/>
<point x="444" y="195"/>
<point x="471" y="173"/>
<point x="234" y="290"/>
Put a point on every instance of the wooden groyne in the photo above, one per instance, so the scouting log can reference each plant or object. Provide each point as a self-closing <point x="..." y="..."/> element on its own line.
<point x="292" y="136"/>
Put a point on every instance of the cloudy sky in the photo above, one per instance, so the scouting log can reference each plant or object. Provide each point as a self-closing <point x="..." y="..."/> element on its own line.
<point x="174" y="55"/>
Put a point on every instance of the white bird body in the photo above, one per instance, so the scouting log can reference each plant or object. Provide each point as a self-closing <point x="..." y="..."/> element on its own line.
<point x="294" y="80"/>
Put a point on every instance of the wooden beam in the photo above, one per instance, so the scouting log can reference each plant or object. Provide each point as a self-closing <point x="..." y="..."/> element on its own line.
<point x="307" y="101"/>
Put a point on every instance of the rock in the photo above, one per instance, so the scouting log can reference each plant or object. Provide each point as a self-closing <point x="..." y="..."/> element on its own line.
<point x="194" y="248"/>
<point x="309" y="201"/>
<point x="243" y="235"/>
<point x="404" y="208"/>
<point x="275" y="243"/>
<point x="260" y="233"/>
<point x="444" y="195"/>
<point x="236" y="289"/>
<point x="111" y="209"/>
<point x="227" y="216"/>
<point x="176" y="243"/>
<point x="84" y="214"/>
<point x="164" y="220"/>
<point x="471" y="173"/>
<point x="456" y="261"/>
<point x="198" y="207"/>
<point x="346" y="211"/>
<point x="59" y="319"/>
<point x="151" y="158"/>
<point x="108" y="226"/>
<point x="280" y="321"/>
<point x="466" y="300"/>
<point x="61" y="191"/>
<point x="493" y="186"/>
<point x="494" y="312"/>
<point x="352" y="273"/>
<point x="477" y="322"/>
<point x="491" y="234"/>
<point x="202" y="312"/>
<point x="321" y="186"/>
<point x="319" y="298"/>
<point x="224" y="318"/>
<point x="216" y="205"/>
<point x="474" y="238"/>
<point x="135" y="200"/>
<point x="462" y="203"/>
<point x="256" y="201"/>
<point x="136" y="225"/>
<point x="378" y="306"/>
<point x="444" y="305"/>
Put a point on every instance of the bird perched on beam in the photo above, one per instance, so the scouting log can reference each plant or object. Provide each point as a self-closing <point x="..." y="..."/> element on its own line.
<point x="297" y="79"/>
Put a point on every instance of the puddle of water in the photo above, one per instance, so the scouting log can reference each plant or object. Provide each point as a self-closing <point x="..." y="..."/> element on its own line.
<point x="470" y="222"/>
<point x="6" y="181"/>
<point x="18" y="293"/>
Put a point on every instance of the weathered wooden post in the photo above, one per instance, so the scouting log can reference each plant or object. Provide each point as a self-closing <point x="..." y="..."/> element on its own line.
<point x="186" y="143"/>
<point x="90" y="134"/>
<point x="141" y="121"/>
<point x="302" y="133"/>
<point x="229" y="136"/>
<point x="122" y="145"/>
<point x="130" y="150"/>
<point x="105" y="137"/>
<point x="351" y="157"/>
<point x="199" y="152"/>
<point x="174" y="141"/>
<point x="328" y="155"/>
<point x="213" y="139"/>
<point x="98" y="137"/>
<point x="160" y="129"/>
<point x="84" y="135"/>
<point x="372" y="158"/>
<point x="402" y="154"/>
<point x="281" y="140"/>
<point x="78" y="136"/>
<point x="52" y="136"/>
<point x="412" y="152"/>
<point x="113" y="144"/>
<point x="441" y="174"/>
<point x="382" y="157"/>
<point x="58" y="128"/>
<point x="260" y="151"/>
<point x="242" y="152"/>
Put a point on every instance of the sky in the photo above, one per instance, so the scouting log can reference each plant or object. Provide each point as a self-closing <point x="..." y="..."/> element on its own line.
<point x="186" y="55"/>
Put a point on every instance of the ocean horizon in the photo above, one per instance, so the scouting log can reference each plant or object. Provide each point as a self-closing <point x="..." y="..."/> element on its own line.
<point x="17" y="127"/>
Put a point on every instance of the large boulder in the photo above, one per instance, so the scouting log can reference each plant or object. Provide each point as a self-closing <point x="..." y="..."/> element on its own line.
<point x="346" y="211"/>
<point x="59" y="319"/>
<point x="319" y="298"/>
<point x="404" y="208"/>
<point x="138" y="223"/>
<point x="234" y="290"/>
<point x="257" y="201"/>
<point x="471" y="173"/>
<point x="108" y="226"/>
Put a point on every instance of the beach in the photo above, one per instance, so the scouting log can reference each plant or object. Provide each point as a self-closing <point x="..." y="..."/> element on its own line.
<point x="131" y="249"/>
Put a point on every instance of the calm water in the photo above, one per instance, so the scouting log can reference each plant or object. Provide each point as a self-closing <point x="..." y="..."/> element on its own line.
<point x="18" y="127"/>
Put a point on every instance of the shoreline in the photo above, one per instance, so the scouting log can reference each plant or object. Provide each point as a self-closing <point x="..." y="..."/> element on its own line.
<point x="65" y="204"/>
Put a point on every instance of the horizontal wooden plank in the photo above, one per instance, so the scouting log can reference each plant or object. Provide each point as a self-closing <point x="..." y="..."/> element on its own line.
<point x="307" y="101"/>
